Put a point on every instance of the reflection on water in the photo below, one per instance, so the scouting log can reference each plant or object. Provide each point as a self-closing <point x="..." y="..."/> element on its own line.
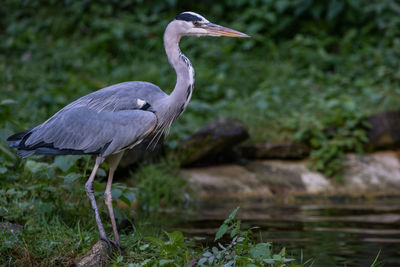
<point x="338" y="234"/>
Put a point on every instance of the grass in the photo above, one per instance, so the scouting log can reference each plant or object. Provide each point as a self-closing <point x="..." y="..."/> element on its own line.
<point x="49" y="243"/>
<point x="48" y="199"/>
<point x="56" y="241"/>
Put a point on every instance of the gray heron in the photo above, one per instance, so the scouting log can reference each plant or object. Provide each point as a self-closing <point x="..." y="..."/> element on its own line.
<point x="107" y="122"/>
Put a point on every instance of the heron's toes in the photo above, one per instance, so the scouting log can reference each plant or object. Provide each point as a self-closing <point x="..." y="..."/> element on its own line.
<point x="111" y="243"/>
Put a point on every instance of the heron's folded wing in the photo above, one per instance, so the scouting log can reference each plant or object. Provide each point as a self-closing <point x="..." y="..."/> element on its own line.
<point x="90" y="130"/>
<point x="122" y="96"/>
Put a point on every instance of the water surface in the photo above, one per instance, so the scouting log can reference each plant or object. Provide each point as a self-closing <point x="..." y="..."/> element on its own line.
<point x="338" y="232"/>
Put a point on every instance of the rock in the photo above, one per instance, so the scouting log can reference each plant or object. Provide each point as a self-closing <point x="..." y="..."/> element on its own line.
<point x="213" y="143"/>
<point x="258" y="179"/>
<point x="11" y="227"/>
<point x="384" y="132"/>
<point x="283" y="150"/>
<point x="279" y="179"/>
<point x="226" y="181"/>
<point x="377" y="173"/>
<point x="97" y="256"/>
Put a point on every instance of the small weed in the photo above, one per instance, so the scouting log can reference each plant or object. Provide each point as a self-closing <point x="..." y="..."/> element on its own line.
<point x="242" y="250"/>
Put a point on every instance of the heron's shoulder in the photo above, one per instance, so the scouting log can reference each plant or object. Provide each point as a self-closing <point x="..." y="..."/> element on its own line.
<point x="134" y="85"/>
<point x="137" y="89"/>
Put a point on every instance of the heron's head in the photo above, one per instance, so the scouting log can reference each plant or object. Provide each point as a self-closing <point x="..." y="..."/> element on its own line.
<point x="192" y="24"/>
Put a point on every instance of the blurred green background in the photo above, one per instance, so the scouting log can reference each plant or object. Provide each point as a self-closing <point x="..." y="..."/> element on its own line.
<point x="309" y="65"/>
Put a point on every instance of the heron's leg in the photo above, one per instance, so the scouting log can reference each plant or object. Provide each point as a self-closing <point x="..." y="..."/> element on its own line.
<point x="90" y="194"/>
<point x="113" y="161"/>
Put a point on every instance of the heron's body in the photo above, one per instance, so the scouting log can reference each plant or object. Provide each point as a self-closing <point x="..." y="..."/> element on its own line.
<point x="119" y="117"/>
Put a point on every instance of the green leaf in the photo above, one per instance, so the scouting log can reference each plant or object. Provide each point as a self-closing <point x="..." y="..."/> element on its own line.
<point x="155" y="241"/>
<point x="116" y="193"/>
<point x="3" y="170"/>
<point x="125" y="200"/>
<point x="269" y="261"/>
<point x="176" y="238"/>
<point x="335" y="7"/>
<point x="130" y="196"/>
<point x="101" y="173"/>
<point x="315" y="142"/>
<point x="7" y="101"/>
<point x="202" y="261"/>
<point x="236" y="229"/>
<point x="163" y="262"/>
<point x="233" y="214"/>
<point x="71" y="177"/>
<point x="261" y="251"/>
<point x="211" y="260"/>
<point x="207" y="254"/>
<point x="35" y="167"/>
<point x="146" y="262"/>
<point x="97" y="186"/>
<point x="64" y="163"/>
<point x="50" y="189"/>
<point x="11" y="192"/>
<point x="221" y="231"/>
<point x="144" y="247"/>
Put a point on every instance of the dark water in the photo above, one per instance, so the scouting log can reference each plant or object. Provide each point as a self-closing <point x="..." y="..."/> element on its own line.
<point x="338" y="233"/>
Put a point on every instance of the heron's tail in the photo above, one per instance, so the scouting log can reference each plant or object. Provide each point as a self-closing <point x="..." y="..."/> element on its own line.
<point x="25" y="153"/>
<point x="15" y="142"/>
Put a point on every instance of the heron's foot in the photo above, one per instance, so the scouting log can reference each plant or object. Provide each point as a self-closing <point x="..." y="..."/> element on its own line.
<point x="111" y="243"/>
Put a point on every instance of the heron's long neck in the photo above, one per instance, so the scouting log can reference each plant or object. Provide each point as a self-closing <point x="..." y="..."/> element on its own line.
<point x="180" y="96"/>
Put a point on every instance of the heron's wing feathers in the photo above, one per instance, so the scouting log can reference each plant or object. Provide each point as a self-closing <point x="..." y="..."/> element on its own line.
<point x="103" y="122"/>
<point x="89" y="131"/>
<point x="127" y="95"/>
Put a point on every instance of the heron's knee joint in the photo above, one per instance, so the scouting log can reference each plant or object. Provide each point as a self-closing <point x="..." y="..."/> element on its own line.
<point x="107" y="197"/>
<point x="89" y="187"/>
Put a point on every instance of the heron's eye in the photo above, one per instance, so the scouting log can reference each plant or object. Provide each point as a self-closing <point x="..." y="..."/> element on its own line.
<point x="195" y="23"/>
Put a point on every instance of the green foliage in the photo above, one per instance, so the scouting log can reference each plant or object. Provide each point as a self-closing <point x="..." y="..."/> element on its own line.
<point x="283" y="17"/>
<point x="340" y="129"/>
<point x="242" y="250"/>
<point x="173" y="249"/>
<point x="52" y="189"/>
<point x="38" y="190"/>
<point x="376" y="262"/>
<point x="173" y="252"/>
<point x="160" y="186"/>
<point x="55" y="227"/>
<point x="303" y="55"/>
<point x="50" y="201"/>
<point x="229" y="224"/>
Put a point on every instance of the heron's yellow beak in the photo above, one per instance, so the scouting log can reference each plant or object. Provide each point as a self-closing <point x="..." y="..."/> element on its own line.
<point x="217" y="30"/>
